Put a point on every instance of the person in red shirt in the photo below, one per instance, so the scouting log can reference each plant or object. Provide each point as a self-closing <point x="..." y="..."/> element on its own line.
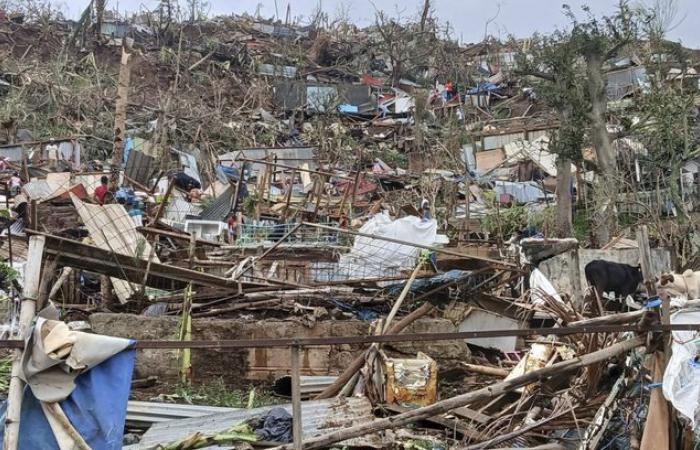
<point x="102" y="190"/>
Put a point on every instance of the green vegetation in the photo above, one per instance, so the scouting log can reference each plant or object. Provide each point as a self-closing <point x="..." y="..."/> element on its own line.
<point x="218" y="393"/>
<point x="7" y="275"/>
<point x="5" y="371"/>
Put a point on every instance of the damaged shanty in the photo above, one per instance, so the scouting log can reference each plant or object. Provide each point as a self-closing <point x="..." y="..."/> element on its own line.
<point x="324" y="236"/>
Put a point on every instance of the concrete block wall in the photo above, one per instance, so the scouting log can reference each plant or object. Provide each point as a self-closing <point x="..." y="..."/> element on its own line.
<point x="262" y="364"/>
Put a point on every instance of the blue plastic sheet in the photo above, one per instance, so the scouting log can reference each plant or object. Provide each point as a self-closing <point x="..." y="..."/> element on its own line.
<point x="128" y="147"/>
<point x="483" y="88"/>
<point x="348" y="109"/>
<point x="423" y="285"/>
<point x="96" y="408"/>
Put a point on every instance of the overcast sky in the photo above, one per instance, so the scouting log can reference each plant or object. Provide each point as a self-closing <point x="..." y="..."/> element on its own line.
<point x="467" y="17"/>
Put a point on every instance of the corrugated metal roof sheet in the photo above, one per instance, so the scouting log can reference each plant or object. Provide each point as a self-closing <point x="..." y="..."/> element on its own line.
<point x="140" y="167"/>
<point x="37" y="189"/>
<point x="178" y="209"/>
<point x="220" y="207"/>
<point x="288" y="156"/>
<point x="318" y="416"/>
<point x="275" y="70"/>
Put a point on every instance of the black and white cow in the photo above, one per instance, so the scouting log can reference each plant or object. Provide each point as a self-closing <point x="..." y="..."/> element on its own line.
<point x="607" y="276"/>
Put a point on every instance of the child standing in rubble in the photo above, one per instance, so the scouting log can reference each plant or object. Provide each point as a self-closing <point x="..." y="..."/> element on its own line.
<point x="425" y="208"/>
<point x="15" y="184"/>
<point x="232" y="228"/>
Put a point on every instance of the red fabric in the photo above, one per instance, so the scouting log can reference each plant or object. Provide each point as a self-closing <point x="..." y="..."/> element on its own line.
<point x="371" y="81"/>
<point x="101" y="192"/>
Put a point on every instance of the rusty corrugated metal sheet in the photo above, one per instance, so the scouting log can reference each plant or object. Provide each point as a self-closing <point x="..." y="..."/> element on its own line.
<point x="318" y="416"/>
<point x="140" y="167"/>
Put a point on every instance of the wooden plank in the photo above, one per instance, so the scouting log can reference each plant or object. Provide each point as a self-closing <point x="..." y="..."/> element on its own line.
<point x="470" y="414"/>
<point x="87" y="257"/>
<point x="449" y="423"/>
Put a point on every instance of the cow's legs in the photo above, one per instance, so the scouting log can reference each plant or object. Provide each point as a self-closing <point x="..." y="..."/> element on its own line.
<point x="598" y="301"/>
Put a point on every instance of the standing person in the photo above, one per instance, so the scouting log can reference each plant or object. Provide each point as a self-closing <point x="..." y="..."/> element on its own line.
<point x="15" y="184"/>
<point x="53" y="156"/>
<point x="425" y="207"/>
<point x="232" y="228"/>
<point x="101" y="190"/>
<point x="450" y="90"/>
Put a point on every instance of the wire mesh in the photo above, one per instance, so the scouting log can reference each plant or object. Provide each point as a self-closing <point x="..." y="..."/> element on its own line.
<point x="348" y="257"/>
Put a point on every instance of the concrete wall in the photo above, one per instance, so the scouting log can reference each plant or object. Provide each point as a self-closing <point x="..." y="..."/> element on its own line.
<point x="259" y="364"/>
<point x="561" y="268"/>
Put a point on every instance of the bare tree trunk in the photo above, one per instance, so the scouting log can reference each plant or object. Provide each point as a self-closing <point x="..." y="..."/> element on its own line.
<point x="424" y="16"/>
<point x="99" y="15"/>
<point x="605" y="191"/>
<point x="564" y="224"/>
<point x="120" y="110"/>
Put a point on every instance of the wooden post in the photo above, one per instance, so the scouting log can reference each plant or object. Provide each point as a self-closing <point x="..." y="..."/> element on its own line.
<point x="319" y="193"/>
<point x="296" y="400"/>
<point x="645" y="262"/>
<point x="192" y="249"/>
<point x="234" y="199"/>
<point x="575" y="274"/>
<point x="34" y="214"/>
<point x="660" y="404"/>
<point x="289" y="194"/>
<point x="402" y="296"/>
<point x="30" y="294"/>
<point x="163" y="203"/>
<point x="120" y="110"/>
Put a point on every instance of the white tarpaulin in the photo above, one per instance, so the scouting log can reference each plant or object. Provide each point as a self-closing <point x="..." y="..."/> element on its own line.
<point x="374" y="258"/>
<point x="681" y="383"/>
<point x="539" y="286"/>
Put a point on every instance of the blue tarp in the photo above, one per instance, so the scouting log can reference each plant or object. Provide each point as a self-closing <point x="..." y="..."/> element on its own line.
<point x="96" y="408"/>
<point x="128" y="146"/>
<point x="348" y="109"/>
<point x="483" y="88"/>
<point x="229" y="172"/>
<point x="422" y="285"/>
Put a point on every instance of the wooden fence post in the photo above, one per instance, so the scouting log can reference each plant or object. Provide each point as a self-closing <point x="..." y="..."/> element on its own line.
<point x="30" y="294"/>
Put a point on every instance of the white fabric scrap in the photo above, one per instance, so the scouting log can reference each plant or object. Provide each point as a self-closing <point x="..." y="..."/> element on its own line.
<point x="54" y="356"/>
<point x="681" y="383"/>
<point x="539" y="285"/>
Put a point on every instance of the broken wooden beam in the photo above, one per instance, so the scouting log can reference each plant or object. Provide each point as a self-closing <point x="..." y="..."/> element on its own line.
<point x="93" y="259"/>
<point x="179" y="236"/>
<point x="486" y="370"/>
